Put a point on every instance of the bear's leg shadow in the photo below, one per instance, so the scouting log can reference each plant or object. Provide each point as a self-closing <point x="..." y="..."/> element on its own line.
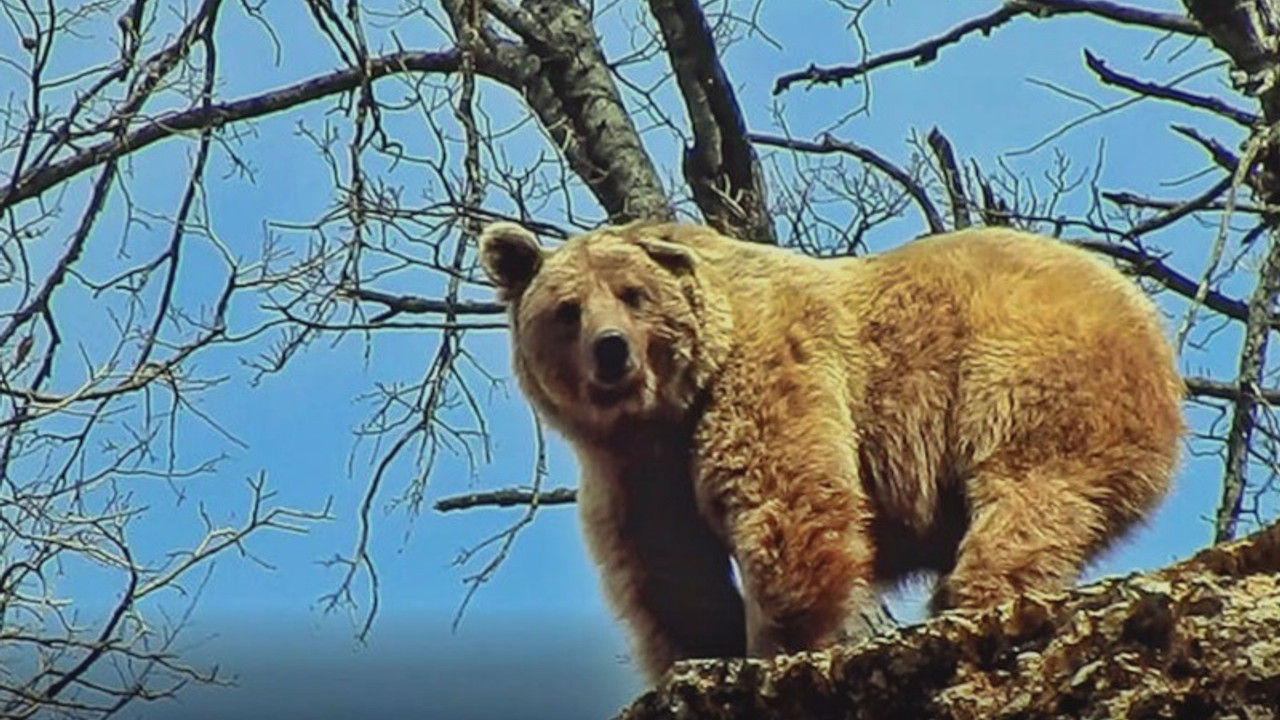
<point x="665" y="572"/>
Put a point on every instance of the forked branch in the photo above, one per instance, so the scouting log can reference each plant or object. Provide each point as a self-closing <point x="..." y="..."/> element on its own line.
<point x="721" y="167"/>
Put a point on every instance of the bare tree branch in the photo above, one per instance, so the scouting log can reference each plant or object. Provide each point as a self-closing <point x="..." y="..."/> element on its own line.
<point x="508" y="497"/>
<point x="927" y="51"/>
<point x="1164" y="92"/>
<point x="416" y="305"/>
<point x="951" y="178"/>
<point x="1206" y="387"/>
<point x="721" y="167"/>
<point x="1252" y="364"/>
<point x="117" y="273"/>
<point x="571" y="88"/>
<point x="37" y="180"/>
<point x="1150" y="266"/>
<point x="1223" y="157"/>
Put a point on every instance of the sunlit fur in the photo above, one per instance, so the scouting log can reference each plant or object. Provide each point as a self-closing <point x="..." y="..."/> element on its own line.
<point x="988" y="405"/>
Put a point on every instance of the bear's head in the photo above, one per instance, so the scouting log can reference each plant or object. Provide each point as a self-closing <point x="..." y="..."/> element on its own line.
<point x="606" y="329"/>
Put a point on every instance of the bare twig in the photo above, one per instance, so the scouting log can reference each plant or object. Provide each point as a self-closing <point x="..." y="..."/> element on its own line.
<point x="829" y="145"/>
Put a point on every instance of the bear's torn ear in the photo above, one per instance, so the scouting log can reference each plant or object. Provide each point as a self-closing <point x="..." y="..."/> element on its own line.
<point x="676" y="258"/>
<point x="510" y="256"/>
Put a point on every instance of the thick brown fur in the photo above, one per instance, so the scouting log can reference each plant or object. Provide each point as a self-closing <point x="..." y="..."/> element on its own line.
<point x="989" y="405"/>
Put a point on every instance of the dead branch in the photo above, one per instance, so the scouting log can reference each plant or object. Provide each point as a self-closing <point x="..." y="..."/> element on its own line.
<point x="1252" y="363"/>
<point x="416" y="305"/>
<point x="1123" y="197"/>
<point x="507" y="497"/>
<point x="1165" y="92"/>
<point x="951" y="178"/>
<point x="1206" y="387"/>
<point x="1222" y="157"/>
<point x="1149" y="266"/>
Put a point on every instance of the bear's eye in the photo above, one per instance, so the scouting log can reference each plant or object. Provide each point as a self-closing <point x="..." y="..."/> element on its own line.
<point x="568" y="312"/>
<point x="632" y="297"/>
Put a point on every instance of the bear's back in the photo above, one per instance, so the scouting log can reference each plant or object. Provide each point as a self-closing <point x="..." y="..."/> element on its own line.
<point x="1044" y="345"/>
<point x="1011" y="276"/>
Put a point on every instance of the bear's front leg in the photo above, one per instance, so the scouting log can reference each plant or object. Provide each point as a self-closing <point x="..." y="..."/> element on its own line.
<point x="788" y="499"/>
<point x="804" y="576"/>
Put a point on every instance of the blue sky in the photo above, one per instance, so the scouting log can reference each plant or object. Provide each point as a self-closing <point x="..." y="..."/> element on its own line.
<point x="539" y="632"/>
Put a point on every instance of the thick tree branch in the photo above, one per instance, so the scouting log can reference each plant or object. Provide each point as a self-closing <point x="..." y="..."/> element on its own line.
<point x="1246" y="30"/>
<point x="416" y="305"/>
<point x="1120" y="13"/>
<point x="1156" y="269"/>
<point x="927" y="51"/>
<point x="721" y="167"/>
<point x="569" y="85"/>
<point x="1207" y="387"/>
<point x="828" y="145"/>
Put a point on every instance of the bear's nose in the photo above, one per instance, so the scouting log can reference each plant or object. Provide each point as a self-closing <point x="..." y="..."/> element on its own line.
<point x="613" y="356"/>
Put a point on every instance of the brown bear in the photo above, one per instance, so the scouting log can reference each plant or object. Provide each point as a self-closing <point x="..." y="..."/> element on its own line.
<point x="988" y="405"/>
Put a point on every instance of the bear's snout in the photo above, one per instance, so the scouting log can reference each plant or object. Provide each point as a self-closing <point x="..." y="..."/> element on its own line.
<point x="612" y="355"/>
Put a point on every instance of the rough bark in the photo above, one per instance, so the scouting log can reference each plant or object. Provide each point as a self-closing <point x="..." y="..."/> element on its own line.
<point x="1246" y="30"/>
<point x="565" y="78"/>
<point x="1200" y="639"/>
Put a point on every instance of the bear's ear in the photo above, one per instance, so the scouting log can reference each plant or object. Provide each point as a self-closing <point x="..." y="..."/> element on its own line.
<point x="675" y="258"/>
<point x="510" y="256"/>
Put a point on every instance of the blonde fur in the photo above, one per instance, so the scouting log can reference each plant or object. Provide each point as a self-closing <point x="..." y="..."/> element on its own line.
<point x="989" y="405"/>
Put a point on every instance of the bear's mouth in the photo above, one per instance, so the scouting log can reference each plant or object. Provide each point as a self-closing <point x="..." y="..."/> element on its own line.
<point x="609" y="395"/>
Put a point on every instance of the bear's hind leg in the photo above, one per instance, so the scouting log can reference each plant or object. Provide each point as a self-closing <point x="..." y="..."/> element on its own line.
<point x="1028" y="533"/>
